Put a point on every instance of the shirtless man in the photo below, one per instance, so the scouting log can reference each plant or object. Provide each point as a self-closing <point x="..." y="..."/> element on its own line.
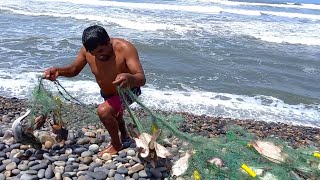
<point x="114" y="62"/>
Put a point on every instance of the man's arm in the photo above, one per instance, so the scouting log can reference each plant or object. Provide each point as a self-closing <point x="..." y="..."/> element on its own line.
<point x="134" y="65"/>
<point x="75" y="68"/>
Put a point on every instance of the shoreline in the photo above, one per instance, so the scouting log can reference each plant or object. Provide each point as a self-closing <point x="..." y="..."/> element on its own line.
<point x="77" y="158"/>
<point x="208" y="126"/>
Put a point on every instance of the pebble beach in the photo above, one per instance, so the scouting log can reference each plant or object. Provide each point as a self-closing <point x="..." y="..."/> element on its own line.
<point x="77" y="158"/>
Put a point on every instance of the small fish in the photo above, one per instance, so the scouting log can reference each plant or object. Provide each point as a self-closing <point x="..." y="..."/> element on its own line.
<point x="23" y="134"/>
<point x="181" y="166"/>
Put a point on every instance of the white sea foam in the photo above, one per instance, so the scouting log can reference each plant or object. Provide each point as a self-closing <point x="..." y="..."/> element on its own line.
<point x="237" y="3"/>
<point x="196" y="102"/>
<point x="195" y="9"/>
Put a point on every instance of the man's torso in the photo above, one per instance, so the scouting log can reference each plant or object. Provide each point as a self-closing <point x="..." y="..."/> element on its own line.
<point x="105" y="72"/>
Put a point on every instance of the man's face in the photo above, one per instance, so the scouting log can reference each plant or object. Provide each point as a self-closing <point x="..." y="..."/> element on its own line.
<point x="103" y="52"/>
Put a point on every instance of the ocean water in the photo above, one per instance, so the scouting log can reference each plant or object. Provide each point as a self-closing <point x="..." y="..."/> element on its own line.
<point x="248" y="59"/>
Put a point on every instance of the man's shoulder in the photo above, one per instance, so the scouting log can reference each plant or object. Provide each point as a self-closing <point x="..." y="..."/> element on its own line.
<point x="122" y="44"/>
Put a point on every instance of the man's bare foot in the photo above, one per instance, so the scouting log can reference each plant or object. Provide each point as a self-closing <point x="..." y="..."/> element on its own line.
<point x="110" y="150"/>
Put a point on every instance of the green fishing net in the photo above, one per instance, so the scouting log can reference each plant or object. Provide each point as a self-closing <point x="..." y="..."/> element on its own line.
<point x="236" y="149"/>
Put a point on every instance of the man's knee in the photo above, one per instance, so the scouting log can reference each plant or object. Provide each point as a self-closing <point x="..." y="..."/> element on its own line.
<point x="104" y="111"/>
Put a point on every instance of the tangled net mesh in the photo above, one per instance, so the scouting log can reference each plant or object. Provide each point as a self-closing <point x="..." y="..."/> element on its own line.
<point x="231" y="156"/>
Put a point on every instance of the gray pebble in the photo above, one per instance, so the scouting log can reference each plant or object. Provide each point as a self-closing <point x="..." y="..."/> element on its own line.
<point x="111" y="173"/>
<point x="23" y="167"/>
<point x="68" y="168"/>
<point x="97" y="175"/>
<point x="29" y="177"/>
<point x="11" y="166"/>
<point x="143" y="174"/>
<point x="32" y="172"/>
<point x="118" y="177"/>
<point x="110" y="166"/>
<point x="86" y="154"/>
<point x="15" y="146"/>
<point x="3" y="154"/>
<point x="79" y="150"/>
<point x="46" y="156"/>
<point x="41" y="173"/>
<point x="92" y="166"/>
<point x="15" y="172"/>
<point x="2" y="176"/>
<point x="49" y="172"/>
<point x="122" y="170"/>
<point x="82" y="178"/>
<point x="94" y="148"/>
<point x="135" y="176"/>
<point x="39" y="166"/>
<point x="2" y="147"/>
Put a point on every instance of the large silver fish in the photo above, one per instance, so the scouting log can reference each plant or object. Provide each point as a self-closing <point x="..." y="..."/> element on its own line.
<point x="24" y="134"/>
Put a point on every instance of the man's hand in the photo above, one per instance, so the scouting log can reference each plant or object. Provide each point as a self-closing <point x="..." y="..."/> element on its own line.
<point x="124" y="80"/>
<point x="51" y="74"/>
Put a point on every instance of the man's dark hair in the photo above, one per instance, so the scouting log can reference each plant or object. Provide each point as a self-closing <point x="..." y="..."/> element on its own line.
<point x="94" y="36"/>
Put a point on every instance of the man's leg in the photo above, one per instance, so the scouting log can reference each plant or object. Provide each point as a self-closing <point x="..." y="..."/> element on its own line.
<point x="107" y="116"/>
<point x="122" y="126"/>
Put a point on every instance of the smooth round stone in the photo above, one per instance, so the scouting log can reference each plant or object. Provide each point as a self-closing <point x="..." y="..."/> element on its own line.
<point x="24" y="147"/>
<point x="15" y="146"/>
<point x="143" y="174"/>
<point x="122" y="154"/>
<point x="2" y="168"/>
<point x="118" y="177"/>
<point x="83" y="167"/>
<point x="103" y="169"/>
<point x="49" y="172"/>
<point x="58" y="176"/>
<point x="86" y="154"/>
<point x="93" y="166"/>
<point x="68" y="151"/>
<point x="29" y="177"/>
<point x="135" y="176"/>
<point x="122" y="170"/>
<point x="46" y="156"/>
<point x="23" y="167"/>
<point x="15" y="171"/>
<point x="106" y="156"/>
<point x="131" y="152"/>
<point x="7" y="173"/>
<point x="63" y="158"/>
<point x="33" y="163"/>
<point x="32" y="172"/>
<point x="87" y="160"/>
<point x="68" y="168"/>
<point x="58" y="169"/>
<point x="56" y="147"/>
<point x="39" y="166"/>
<point x="82" y="178"/>
<point x="79" y="150"/>
<point x="83" y="141"/>
<point x="111" y="173"/>
<point x="59" y="163"/>
<point x="9" y="149"/>
<point x="94" y="148"/>
<point x="110" y="166"/>
<point x="2" y="147"/>
<point x="2" y="176"/>
<point x="6" y="161"/>
<point x="11" y="166"/>
<point x="136" y="159"/>
<point x="3" y="154"/>
<point x="71" y="160"/>
<point x="97" y="175"/>
<point x="41" y="173"/>
<point x="121" y="159"/>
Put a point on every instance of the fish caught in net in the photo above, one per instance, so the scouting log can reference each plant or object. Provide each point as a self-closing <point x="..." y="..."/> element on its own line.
<point x="236" y="155"/>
